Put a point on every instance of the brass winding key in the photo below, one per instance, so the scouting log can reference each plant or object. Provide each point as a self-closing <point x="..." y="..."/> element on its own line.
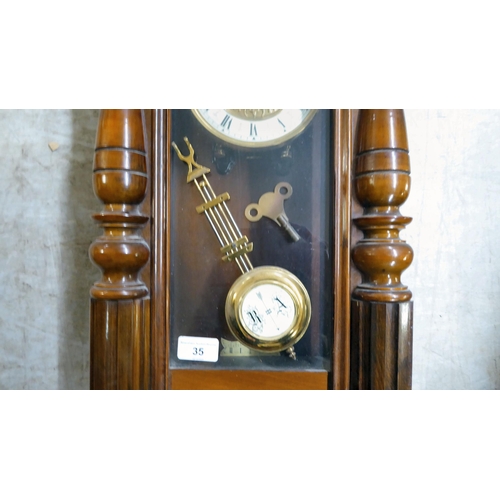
<point x="271" y="205"/>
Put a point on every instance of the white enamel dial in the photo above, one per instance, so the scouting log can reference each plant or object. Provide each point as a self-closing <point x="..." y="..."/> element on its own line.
<point x="253" y="128"/>
<point x="268" y="311"/>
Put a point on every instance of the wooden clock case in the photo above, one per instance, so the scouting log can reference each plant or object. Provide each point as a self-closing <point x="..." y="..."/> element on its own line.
<point x="130" y="305"/>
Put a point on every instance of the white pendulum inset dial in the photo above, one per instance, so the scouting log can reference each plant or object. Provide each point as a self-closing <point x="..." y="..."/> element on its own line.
<point x="268" y="308"/>
<point x="268" y="311"/>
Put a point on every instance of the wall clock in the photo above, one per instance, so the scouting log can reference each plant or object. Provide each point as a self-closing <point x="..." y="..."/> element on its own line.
<point x="227" y="250"/>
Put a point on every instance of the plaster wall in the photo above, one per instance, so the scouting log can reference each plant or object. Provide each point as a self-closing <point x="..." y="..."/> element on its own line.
<point x="455" y="202"/>
<point x="46" y="202"/>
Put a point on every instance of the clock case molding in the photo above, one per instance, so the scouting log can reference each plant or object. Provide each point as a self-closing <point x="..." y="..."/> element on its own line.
<point x="130" y="303"/>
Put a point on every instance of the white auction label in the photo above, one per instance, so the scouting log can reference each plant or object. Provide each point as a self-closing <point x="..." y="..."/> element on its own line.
<point x="198" y="349"/>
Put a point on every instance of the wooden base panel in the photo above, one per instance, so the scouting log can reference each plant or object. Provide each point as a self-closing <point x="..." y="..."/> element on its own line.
<point x="250" y="380"/>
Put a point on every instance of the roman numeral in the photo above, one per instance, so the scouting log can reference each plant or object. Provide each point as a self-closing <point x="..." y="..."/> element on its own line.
<point x="226" y="122"/>
<point x="255" y="317"/>
<point x="253" y="130"/>
<point x="279" y="301"/>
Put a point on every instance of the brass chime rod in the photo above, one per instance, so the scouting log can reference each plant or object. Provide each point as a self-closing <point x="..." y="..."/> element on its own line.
<point x="223" y="224"/>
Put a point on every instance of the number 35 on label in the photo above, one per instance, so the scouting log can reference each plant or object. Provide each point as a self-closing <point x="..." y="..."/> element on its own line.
<point x="198" y="349"/>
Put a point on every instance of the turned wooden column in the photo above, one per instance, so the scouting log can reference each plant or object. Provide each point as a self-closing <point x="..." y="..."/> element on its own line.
<point x="381" y="309"/>
<point x="119" y="342"/>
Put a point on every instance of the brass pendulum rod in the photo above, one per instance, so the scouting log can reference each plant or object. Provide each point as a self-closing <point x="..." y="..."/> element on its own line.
<point x="234" y="245"/>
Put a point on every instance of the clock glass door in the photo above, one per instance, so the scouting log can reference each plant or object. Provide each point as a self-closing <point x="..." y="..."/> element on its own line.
<point x="251" y="214"/>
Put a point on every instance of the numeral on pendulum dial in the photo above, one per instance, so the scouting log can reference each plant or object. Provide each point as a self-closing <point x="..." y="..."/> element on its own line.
<point x="267" y="308"/>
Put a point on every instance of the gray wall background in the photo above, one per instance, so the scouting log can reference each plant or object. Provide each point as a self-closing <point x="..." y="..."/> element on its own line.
<point x="46" y="202"/>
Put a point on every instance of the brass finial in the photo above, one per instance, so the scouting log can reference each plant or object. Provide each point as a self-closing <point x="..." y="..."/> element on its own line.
<point x="199" y="170"/>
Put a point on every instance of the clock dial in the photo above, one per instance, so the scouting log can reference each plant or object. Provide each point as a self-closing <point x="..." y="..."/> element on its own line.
<point x="254" y="128"/>
<point x="268" y="311"/>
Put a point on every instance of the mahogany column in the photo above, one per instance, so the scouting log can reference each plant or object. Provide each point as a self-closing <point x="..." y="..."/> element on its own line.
<point x="119" y="343"/>
<point x="381" y="332"/>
